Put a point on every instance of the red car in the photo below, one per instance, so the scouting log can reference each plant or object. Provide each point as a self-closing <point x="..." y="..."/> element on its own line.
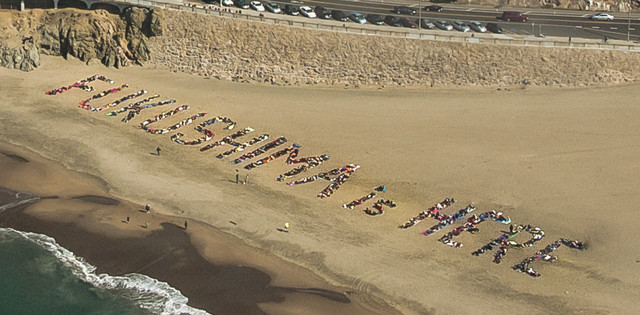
<point x="407" y="22"/>
<point x="514" y="16"/>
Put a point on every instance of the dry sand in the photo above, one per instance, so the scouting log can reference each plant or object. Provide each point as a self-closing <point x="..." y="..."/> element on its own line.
<point x="565" y="160"/>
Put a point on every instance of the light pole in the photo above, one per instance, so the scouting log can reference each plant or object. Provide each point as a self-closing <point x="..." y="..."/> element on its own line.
<point x="419" y="14"/>
<point x="533" y="27"/>
<point x="629" y="21"/>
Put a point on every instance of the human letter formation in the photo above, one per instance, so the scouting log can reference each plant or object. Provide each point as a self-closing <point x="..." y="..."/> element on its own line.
<point x="505" y="241"/>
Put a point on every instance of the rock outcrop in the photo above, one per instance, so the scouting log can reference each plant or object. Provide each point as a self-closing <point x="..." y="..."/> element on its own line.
<point x="24" y="57"/>
<point x="88" y="35"/>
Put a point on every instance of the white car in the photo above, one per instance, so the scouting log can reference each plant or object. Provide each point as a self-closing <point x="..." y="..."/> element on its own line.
<point x="307" y="11"/>
<point x="256" y="5"/>
<point x="273" y="8"/>
<point x="602" y="17"/>
<point x="476" y="26"/>
<point x="227" y="3"/>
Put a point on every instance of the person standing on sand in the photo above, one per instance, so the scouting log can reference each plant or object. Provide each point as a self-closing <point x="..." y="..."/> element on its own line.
<point x="237" y="176"/>
<point x="146" y="225"/>
<point x="286" y="226"/>
<point x="147" y="208"/>
<point x="128" y="218"/>
<point x="158" y="151"/>
<point x="185" y="225"/>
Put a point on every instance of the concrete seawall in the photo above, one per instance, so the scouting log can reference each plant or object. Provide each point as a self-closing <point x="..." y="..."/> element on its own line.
<point x="254" y="52"/>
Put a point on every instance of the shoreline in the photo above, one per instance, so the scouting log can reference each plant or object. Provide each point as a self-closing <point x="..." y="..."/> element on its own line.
<point x="167" y="252"/>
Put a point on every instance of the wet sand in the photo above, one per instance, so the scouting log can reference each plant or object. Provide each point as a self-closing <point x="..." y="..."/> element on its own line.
<point x="95" y="227"/>
<point x="561" y="159"/>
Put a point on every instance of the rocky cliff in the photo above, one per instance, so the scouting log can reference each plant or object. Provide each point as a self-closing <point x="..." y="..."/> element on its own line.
<point x="87" y="35"/>
<point x="24" y="57"/>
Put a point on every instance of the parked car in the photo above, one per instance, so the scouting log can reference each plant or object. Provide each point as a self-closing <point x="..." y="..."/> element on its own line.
<point x="460" y="26"/>
<point x="357" y="17"/>
<point x="307" y="12"/>
<point x="443" y="25"/>
<point x="404" y="10"/>
<point x="241" y="4"/>
<point x="433" y="8"/>
<point x="291" y="9"/>
<point x="226" y="3"/>
<point x="514" y="16"/>
<point x="602" y="17"/>
<point x="375" y="19"/>
<point x="339" y="15"/>
<point x="392" y="20"/>
<point x="322" y="13"/>
<point x="494" y="28"/>
<point x="477" y="26"/>
<point x="424" y="23"/>
<point x="407" y="22"/>
<point x="273" y="7"/>
<point x="256" y="5"/>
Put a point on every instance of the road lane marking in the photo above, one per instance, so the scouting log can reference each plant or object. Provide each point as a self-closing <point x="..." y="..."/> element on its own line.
<point x="595" y="27"/>
<point x="613" y="28"/>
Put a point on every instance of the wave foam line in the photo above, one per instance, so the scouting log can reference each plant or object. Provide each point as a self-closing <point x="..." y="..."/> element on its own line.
<point x="150" y="294"/>
<point x="18" y="203"/>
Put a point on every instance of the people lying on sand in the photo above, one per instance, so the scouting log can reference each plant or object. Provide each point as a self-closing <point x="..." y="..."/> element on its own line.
<point x="433" y="212"/>
<point x="260" y="150"/>
<point x="241" y="146"/>
<point x="82" y="84"/>
<point x="227" y="139"/>
<point x="178" y="109"/>
<point x="117" y="102"/>
<point x="85" y="103"/>
<point x="372" y="212"/>
<point x="230" y="123"/>
<point x="359" y="201"/>
<point x="176" y="126"/>
<point x="269" y="158"/>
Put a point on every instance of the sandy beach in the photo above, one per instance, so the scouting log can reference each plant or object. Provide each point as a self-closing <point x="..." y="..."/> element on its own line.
<point x="565" y="160"/>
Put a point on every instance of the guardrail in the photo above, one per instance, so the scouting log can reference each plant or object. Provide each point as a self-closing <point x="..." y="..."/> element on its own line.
<point x="473" y="38"/>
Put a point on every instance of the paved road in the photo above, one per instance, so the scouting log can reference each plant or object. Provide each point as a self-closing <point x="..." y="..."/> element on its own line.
<point x="563" y="23"/>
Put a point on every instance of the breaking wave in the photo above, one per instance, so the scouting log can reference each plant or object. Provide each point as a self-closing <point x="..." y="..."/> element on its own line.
<point x="150" y="294"/>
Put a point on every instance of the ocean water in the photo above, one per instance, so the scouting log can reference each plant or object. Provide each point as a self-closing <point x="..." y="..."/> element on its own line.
<point x="38" y="276"/>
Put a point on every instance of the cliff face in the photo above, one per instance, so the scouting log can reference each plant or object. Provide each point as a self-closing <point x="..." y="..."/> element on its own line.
<point x="87" y="35"/>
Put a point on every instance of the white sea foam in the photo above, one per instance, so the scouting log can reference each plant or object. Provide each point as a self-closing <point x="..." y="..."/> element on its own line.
<point x="21" y="197"/>
<point x="150" y="294"/>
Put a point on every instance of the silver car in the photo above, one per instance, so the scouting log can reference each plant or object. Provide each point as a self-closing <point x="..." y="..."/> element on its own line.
<point x="443" y="25"/>
<point x="476" y="26"/>
<point x="273" y="7"/>
<point x="460" y="26"/>
<point x="602" y="17"/>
